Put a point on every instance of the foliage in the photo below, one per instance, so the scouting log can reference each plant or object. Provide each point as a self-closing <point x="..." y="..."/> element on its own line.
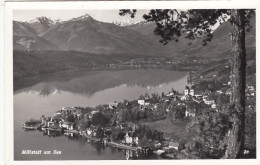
<point x="211" y="128"/>
<point x="222" y="99"/>
<point x="250" y="130"/>
<point x="83" y="125"/>
<point x="117" y="134"/>
<point x="100" y="132"/>
<point x="70" y="118"/>
<point x="211" y="85"/>
<point x="176" y="112"/>
<point x="99" y="119"/>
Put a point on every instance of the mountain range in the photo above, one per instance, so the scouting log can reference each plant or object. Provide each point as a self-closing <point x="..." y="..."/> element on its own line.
<point x="85" y="34"/>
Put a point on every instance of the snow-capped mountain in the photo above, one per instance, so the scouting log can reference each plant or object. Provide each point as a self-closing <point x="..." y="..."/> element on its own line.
<point x="80" y="18"/>
<point x="125" y="22"/>
<point x="41" y="24"/>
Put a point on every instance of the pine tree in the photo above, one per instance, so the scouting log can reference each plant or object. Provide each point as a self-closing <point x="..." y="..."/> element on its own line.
<point x="170" y="24"/>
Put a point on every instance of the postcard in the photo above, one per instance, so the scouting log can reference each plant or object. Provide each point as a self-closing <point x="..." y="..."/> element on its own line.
<point x="146" y="81"/>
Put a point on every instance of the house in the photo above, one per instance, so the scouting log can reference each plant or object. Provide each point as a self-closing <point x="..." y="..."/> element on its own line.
<point x="50" y="123"/>
<point x="192" y="92"/>
<point x="209" y="102"/>
<point x="71" y="127"/>
<point x="214" y="106"/>
<point x="130" y="139"/>
<point x="66" y="125"/>
<point x="186" y="97"/>
<point x="170" y="94"/>
<point x="186" y="91"/>
<point x="180" y="104"/>
<point x="251" y="88"/>
<point x="67" y="110"/>
<point x="45" y="120"/>
<point x="219" y="91"/>
<point x="157" y="144"/>
<point x="82" y="133"/>
<point x="92" y="113"/>
<point x="159" y="152"/>
<point x="91" y="131"/>
<point x="174" y="145"/>
<point x="190" y="113"/>
<point x="228" y="92"/>
<point x="141" y="102"/>
<point x="113" y="105"/>
<point x="197" y="100"/>
<point x="57" y="113"/>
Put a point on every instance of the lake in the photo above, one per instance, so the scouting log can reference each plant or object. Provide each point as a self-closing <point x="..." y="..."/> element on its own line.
<point x="81" y="88"/>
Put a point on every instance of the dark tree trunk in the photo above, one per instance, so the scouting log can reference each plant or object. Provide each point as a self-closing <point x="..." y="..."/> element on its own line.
<point x="235" y="142"/>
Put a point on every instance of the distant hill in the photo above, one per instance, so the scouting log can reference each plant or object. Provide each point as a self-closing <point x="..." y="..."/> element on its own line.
<point x="219" y="46"/>
<point x="175" y="47"/>
<point x="37" y="62"/>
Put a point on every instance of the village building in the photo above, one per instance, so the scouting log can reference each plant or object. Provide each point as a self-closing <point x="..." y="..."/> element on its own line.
<point x="228" y="92"/>
<point x="213" y="106"/>
<point x="171" y="94"/>
<point x="45" y="120"/>
<point x="190" y="93"/>
<point x="66" y="125"/>
<point x="57" y="113"/>
<point x="190" y="113"/>
<point x="67" y="110"/>
<point x="113" y="105"/>
<point x="174" y="145"/>
<point x="209" y="102"/>
<point x="92" y="131"/>
<point x="130" y="139"/>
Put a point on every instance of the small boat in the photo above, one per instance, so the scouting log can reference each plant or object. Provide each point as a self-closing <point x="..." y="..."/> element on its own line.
<point x="29" y="127"/>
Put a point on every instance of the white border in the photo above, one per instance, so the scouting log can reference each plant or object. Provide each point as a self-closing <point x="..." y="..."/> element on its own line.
<point x="2" y="82"/>
<point x="10" y="6"/>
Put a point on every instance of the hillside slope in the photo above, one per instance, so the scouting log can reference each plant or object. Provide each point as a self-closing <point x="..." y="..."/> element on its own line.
<point x="25" y="38"/>
<point x="220" y="45"/>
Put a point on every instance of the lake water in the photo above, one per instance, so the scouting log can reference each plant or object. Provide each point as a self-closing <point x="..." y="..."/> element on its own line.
<point x="81" y="88"/>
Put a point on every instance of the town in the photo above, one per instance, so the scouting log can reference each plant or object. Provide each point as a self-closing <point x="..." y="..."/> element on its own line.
<point x="135" y="126"/>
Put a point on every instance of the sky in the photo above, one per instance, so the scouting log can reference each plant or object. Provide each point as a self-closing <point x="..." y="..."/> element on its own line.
<point x="63" y="15"/>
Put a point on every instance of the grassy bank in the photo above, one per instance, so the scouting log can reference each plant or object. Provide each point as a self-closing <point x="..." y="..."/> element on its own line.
<point x="176" y="129"/>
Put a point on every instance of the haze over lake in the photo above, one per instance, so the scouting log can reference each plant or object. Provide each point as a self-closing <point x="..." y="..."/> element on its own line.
<point x="82" y="88"/>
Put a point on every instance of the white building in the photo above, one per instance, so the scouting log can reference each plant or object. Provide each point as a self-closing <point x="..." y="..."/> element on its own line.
<point x="192" y="92"/>
<point x="141" y="102"/>
<point x="186" y="91"/>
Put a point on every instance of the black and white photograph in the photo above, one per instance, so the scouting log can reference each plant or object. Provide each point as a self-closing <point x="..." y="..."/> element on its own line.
<point x="133" y="84"/>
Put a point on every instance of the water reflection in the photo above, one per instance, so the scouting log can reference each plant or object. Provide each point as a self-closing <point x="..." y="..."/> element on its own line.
<point x="89" y="83"/>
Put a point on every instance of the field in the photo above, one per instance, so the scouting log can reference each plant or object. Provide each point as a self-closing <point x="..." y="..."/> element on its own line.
<point x="176" y="129"/>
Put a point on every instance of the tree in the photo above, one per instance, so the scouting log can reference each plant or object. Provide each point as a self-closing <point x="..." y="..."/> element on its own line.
<point x="70" y="118"/>
<point x="100" y="132"/>
<point x="211" y="128"/>
<point x="99" y="119"/>
<point x="197" y="23"/>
